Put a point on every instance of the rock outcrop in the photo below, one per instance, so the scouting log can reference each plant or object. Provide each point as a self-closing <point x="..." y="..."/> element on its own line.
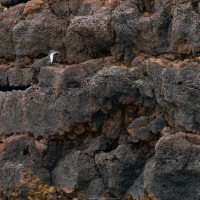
<point x="117" y="114"/>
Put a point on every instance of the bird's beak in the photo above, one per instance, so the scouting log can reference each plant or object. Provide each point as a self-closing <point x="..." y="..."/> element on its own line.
<point x="57" y="52"/>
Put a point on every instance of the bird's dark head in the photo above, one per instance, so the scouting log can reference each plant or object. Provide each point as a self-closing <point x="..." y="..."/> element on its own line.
<point x="53" y="52"/>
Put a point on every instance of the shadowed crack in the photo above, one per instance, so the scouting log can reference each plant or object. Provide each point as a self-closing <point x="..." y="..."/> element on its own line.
<point x="9" y="88"/>
<point x="12" y="2"/>
<point x="195" y="6"/>
<point x="145" y="6"/>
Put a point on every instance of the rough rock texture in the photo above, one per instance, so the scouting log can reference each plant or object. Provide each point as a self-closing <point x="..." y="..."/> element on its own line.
<point x="19" y="153"/>
<point x="118" y="169"/>
<point x="117" y="114"/>
<point x="174" y="168"/>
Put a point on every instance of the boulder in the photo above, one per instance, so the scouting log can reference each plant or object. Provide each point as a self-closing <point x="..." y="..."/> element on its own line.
<point x="118" y="168"/>
<point x="74" y="171"/>
<point x="20" y="154"/>
<point x="90" y="37"/>
<point x="38" y="34"/>
<point x="170" y="174"/>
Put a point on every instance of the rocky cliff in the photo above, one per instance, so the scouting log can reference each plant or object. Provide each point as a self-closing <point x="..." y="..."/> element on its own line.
<point x="117" y="116"/>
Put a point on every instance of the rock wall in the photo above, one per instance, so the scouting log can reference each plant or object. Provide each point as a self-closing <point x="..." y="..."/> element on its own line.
<point x="116" y="116"/>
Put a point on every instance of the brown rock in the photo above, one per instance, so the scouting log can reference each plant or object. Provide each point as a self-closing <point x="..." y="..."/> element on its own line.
<point x="34" y="6"/>
<point x="112" y="126"/>
<point x="8" y="19"/>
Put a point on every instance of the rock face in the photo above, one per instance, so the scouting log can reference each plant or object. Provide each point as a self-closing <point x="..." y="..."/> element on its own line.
<point x="172" y="169"/>
<point x="118" y="169"/>
<point x="117" y="114"/>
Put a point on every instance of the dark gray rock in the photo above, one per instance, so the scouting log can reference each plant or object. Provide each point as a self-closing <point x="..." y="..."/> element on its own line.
<point x="19" y="154"/>
<point x="55" y="84"/>
<point x="38" y="34"/>
<point x="156" y="27"/>
<point x="69" y="86"/>
<point x="75" y="170"/>
<point x="90" y="37"/>
<point x="7" y="22"/>
<point x="96" y="28"/>
<point x="118" y="169"/>
<point x="66" y="10"/>
<point x="182" y="41"/>
<point x="145" y="88"/>
<point x="3" y="76"/>
<point x="111" y="83"/>
<point x="9" y="2"/>
<point x="139" y="122"/>
<point x="53" y="151"/>
<point x="174" y="172"/>
<point x="156" y="125"/>
<point x="96" y="189"/>
<point x="175" y="89"/>
<point x="141" y="129"/>
<point x="138" y="130"/>
<point x="79" y="113"/>
<point x="137" y="189"/>
<point x="18" y="77"/>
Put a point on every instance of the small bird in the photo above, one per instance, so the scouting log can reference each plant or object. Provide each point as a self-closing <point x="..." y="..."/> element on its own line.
<point x="51" y="55"/>
<point x="43" y="62"/>
<point x="36" y="66"/>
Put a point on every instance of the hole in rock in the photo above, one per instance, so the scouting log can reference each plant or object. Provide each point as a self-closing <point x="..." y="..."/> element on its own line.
<point x="197" y="53"/>
<point x="8" y="88"/>
<point x="26" y="151"/>
<point x="111" y="145"/>
<point x="13" y="3"/>
<point x="73" y="84"/>
<point x="39" y="137"/>
<point x="179" y="82"/>
<point x="97" y="119"/>
<point x="145" y="6"/>
<point x="196" y="6"/>
<point x="41" y="55"/>
<point x="145" y="74"/>
<point x="105" y="53"/>
<point x="99" y="52"/>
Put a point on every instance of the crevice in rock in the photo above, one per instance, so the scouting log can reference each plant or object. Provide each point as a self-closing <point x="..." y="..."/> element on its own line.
<point x="41" y="55"/>
<point x="70" y="11"/>
<point x="154" y="41"/>
<point x="170" y="56"/>
<point x="145" y="6"/>
<point x="179" y="82"/>
<point x="52" y="10"/>
<point x="97" y="119"/>
<point x="99" y="53"/>
<point x="73" y="84"/>
<point x="196" y="6"/>
<point x="8" y="88"/>
<point x="26" y="151"/>
<point x="107" y="145"/>
<point x="111" y="145"/>
<point x="92" y="52"/>
<point x="13" y="3"/>
<point x="105" y="53"/>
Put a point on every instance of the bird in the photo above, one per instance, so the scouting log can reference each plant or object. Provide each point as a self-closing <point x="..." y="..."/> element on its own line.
<point x="51" y="55"/>
<point x="43" y="62"/>
<point x="35" y="67"/>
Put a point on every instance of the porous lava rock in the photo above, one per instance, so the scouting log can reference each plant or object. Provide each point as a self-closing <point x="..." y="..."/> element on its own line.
<point x="116" y="116"/>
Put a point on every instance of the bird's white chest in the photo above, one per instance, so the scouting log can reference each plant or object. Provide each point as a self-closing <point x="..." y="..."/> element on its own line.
<point x="51" y="58"/>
